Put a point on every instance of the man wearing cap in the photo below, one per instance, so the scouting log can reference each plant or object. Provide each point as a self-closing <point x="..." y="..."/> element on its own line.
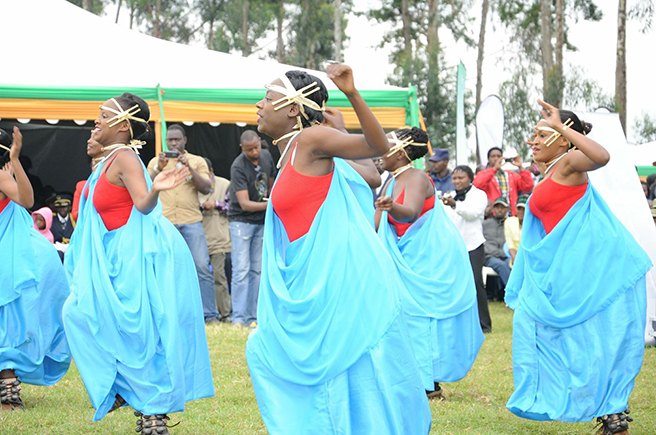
<point x="493" y="230"/>
<point x="513" y="228"/>
<point x="496" y="182"/>
<point x="439" y="172"/>
<point x="62" y="224"/>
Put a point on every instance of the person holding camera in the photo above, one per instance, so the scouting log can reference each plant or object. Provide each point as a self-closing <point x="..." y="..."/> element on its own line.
<point x="180" y="206"/>
<point x="496" y="182"/>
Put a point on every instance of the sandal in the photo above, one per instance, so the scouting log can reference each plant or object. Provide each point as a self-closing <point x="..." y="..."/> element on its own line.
<point x="10" y="394"/>
<point x="615" y="423"/>
<point x="153" y="424"/>
<point x="117" y="403"/>
<point x="436" y="394"/>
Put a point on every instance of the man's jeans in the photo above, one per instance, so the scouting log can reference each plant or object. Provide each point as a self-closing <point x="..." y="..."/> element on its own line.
<point x="502" y="267"/>
<point x="194" y="235"/>
<point x="246" y="267"/>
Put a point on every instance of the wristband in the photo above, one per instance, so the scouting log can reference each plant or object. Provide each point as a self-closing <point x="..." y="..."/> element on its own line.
<point x="156" y="169"/>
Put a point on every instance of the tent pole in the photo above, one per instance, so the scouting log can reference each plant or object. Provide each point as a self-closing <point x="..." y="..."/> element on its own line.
<point x="160" y="141"/>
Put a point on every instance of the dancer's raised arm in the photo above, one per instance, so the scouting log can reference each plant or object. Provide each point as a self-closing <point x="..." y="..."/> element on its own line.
<point x="18" y="187"/>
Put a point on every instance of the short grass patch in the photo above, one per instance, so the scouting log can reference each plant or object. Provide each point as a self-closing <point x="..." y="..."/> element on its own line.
<point x="475" y="405"/>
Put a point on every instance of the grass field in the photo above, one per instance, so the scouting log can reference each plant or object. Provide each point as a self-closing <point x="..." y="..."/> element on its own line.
<point x="475" y="405"/>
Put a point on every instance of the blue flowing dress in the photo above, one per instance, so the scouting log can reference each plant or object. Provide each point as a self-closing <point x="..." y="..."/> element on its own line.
<point x="439" y="296"/>
<point x="331" y="353"/>
<point x="580" y="309"/>
<point x="134" y="317"/>
<point x="33" y="289"/>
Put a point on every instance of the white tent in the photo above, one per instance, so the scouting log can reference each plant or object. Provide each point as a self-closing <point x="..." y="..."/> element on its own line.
<point x="620" y="187"/>
<point x="65" y="61"/>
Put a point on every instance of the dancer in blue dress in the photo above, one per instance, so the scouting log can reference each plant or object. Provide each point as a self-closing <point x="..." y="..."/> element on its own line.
<point x="439" y="297"/>
<point x="33" y="288"/>
<point x="134" y="317"/>
<point x="331" y="352"/>
<point x="577" y="288"/>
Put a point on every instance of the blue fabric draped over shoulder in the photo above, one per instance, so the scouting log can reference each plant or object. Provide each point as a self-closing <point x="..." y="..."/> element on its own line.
<point x="331" y="350"/>
<point x="134" y="316"/>
<point x="580" y="310"/>
<point x="33" y="289"/>
<point x="439" y="296"/>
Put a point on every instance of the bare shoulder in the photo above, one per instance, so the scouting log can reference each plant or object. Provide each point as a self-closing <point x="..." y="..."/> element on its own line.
<point x="127" y="161"/>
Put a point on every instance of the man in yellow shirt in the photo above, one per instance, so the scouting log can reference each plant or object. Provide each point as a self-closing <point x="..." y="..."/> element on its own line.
<point x="512" y="229"/>
<point x="180" y="206"/>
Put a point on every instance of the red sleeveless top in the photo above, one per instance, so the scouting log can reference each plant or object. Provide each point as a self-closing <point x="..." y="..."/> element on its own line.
<point x="401" y="228"/>
<point x="551" y="201"/>
<point x="297" y="198"/>
<point x="113" y="203"/>
<point x="3" y="204"/>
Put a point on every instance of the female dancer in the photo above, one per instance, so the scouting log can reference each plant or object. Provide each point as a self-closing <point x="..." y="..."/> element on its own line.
<point x="577" y="288"/>
<point x="330" y="353"/>
<point x="33" y="288"/>
<point x="439" y="299"/>
<point x="134" y="316"/>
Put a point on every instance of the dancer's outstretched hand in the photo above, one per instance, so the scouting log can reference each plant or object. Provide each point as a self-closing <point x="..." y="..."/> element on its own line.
<point x="17" y="145"/>
<point x="342" y="76"/>
<point x="551" y="115"/>
<point x="170" y="179"/>
<point x="384" y="203"/>
<point x="8" y="168"/>
<point x="334" y="118"/>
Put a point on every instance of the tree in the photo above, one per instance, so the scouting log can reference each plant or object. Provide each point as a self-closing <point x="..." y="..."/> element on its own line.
<point x="312" y="35"/>
<point x="518" y="97"/>
<point x="479" y="62"/>
<point x="418" y="58"/>
<point x="620" y="63"/>
<point x="95" y="6"/>
<point x="645" y="129"/>
<point x="235" y="25"/>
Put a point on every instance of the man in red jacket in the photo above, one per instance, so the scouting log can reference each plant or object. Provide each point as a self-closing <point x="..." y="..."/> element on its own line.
<point x="496" y="182"/>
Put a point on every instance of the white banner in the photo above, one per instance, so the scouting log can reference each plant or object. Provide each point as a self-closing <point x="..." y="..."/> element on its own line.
<point x="489" y="126"/>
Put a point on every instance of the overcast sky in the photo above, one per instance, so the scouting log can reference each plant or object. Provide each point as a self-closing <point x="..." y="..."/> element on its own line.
<point x="596" y="42"/>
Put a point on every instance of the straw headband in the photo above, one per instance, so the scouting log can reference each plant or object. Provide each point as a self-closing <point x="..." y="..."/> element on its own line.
<point x="125" y="115"/>
<point x="554" y="134"/>
<point x="298" y="96"/>
<point x="400" y="144"/>
<point x="5" y="148"/>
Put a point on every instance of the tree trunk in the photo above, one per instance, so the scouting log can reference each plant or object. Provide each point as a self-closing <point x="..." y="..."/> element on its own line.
<point x="558" y="67"/>
<point x="131" y="14"/>
<point x="118" y="10"/>
<point x="433" y="49"/>
<point x="620" y="64"/>
<point x="280" y="55"/>
<point x="86" y="5"/>
<point x="338" y="30"/>
<point x="210" y="35"/>
<point x="244" y="29"/>
<point x="156" y="28"/>
<point x="479" y="62"/>
<point x="547" y="52"/>
<point x="407" y="41"/>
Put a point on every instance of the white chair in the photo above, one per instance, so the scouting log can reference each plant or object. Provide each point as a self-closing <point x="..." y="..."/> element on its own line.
<point x="488" y="271"/>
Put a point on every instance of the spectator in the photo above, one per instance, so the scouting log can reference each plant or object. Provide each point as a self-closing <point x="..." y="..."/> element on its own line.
<point x="651" y="182"/>
<point x="215" y="223"/>
<point x="493" y="230"/>
<point x="439" y="171"/>
<point x="645" y="189"/>
<point x="251" y="178"/>
<point x="42" y="222"/>
<point x="180" y="206"/>
<point x="496" y="182"/>
<point x="513" y="229"/>
<point x="653" y="214"/>
<point x="469" y="206"/>
<point x="62" y="226"/>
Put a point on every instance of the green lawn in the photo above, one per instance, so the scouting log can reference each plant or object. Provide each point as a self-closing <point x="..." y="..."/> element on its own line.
<point x="475" y="405"/>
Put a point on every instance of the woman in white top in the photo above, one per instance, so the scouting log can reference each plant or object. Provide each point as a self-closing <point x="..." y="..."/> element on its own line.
<point x="468" y="213"/>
